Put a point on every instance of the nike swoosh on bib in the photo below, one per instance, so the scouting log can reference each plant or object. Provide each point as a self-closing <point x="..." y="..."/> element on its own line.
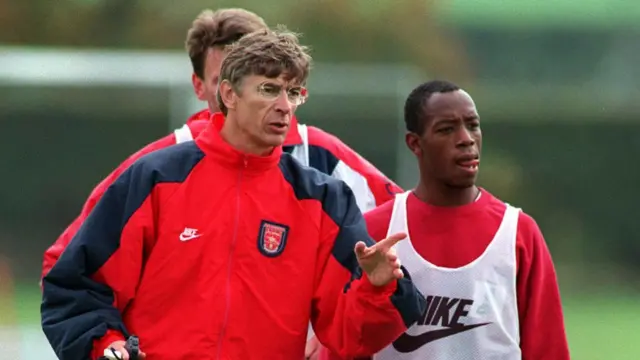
<point x="408" y="343"/>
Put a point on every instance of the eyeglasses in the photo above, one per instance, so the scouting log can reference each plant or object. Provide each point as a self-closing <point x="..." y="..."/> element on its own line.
<point x="296" y="95"/>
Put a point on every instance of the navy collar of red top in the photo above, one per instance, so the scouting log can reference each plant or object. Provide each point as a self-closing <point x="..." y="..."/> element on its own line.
<point x="216" y="148"/>
<point x="293" y="136"/>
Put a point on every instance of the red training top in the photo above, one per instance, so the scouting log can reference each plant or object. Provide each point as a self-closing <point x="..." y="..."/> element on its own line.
<point x="453" y="237"/>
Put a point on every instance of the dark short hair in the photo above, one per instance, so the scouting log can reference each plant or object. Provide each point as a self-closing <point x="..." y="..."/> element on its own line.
<point x="415" y="107"/>
<point x="218" y="28"/>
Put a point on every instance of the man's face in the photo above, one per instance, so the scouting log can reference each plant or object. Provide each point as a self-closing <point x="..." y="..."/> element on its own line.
<point x="449" y="147"/>
<point x="207" y="88"/>
<point x="263" y="107"/>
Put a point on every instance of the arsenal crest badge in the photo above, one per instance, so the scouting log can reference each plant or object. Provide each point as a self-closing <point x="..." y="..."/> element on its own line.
<point x="272" y="238"/>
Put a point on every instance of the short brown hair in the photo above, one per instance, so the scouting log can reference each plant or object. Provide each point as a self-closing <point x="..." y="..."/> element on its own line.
<point x="266" y="52"/>
<point x="218" y="28"/>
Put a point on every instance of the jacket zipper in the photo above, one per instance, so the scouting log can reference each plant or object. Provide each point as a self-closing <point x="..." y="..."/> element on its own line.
<point x="232" y="249"/>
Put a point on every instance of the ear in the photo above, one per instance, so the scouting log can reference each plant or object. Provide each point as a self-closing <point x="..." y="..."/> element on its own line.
<point x="413" y="143"/>
<point x="198" y="87"/>
<point x="227" y="94"/>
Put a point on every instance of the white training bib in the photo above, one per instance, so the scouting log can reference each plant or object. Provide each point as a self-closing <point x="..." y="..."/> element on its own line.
<point x="472" y="311"/>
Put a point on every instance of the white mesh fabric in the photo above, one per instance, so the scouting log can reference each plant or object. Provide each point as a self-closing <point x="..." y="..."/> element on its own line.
<point x="461" y="300"/>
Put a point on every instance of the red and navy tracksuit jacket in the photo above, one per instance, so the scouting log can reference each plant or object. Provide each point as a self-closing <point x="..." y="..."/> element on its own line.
<point x="208" y="253"/>
<point x="307" y="144"/>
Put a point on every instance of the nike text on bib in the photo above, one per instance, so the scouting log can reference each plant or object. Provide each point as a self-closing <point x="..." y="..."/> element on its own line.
<point x="442" y="311"/>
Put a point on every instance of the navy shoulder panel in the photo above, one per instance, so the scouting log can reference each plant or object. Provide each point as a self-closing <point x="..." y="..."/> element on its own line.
<point x="313" y="183"/>
<point x="171" y="164"/>
<point x="322" y="159"/>
<point x="127" y="194"/>
<point x="338" y="202"/>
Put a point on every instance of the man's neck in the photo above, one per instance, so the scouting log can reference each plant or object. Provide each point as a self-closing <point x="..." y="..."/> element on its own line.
<point x="446" y="196"/>
<point x="241" y="141"/>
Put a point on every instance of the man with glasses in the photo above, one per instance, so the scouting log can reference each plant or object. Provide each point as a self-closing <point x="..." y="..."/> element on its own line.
<point x="224" y="246"/>
<point x="206" y="43"/>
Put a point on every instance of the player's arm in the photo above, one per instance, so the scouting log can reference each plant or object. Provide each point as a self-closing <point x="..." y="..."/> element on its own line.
<point x="369" y="185"/>
<point x="97" y="275"/>
<point x="542" y="331"/>
<point x="52" y="254"/>
<point x="350" y="316"/>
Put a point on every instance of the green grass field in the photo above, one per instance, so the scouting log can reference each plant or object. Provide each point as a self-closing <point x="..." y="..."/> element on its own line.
<point x="603" y="328"/>
<point x="598" y="328"/>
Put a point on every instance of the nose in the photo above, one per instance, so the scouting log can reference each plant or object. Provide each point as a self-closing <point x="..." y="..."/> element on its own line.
<point x="282" y="104"/>
<point x="465" y="138"/>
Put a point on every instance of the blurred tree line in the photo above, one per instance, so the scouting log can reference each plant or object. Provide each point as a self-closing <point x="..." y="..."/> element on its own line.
<point x="355" y="30"/>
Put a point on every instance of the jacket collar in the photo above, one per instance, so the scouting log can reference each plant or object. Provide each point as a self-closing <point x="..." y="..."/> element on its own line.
<point x="293" y="136"/>
<point x="215" y="147"/>
<point x="200" y="115"/>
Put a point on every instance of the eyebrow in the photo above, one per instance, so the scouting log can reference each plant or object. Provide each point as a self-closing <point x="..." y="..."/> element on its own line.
<point x="444" y="121"/>
<point x="454" y="120"/>
<point x="277" y="83"/>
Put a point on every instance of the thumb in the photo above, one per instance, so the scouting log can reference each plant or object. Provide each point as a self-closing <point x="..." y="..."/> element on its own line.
<point x="360" y="249"/>
<point x="113" y="353"/>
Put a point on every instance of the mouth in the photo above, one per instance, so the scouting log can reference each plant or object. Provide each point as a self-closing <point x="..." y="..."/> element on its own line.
<point x="279" y="127"/>
<point x="469" y="163"/>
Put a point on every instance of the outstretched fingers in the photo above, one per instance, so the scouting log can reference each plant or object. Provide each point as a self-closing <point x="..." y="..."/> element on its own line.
<point x="389" y="242"/>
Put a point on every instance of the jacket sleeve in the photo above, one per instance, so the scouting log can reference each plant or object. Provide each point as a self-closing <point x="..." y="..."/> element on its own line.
<point x="350" y="316"/>
<point x="539" y="302"/>
<point x="52" y="254"/>
<point x="370" y="186"/>
<point x="96" y="276"/>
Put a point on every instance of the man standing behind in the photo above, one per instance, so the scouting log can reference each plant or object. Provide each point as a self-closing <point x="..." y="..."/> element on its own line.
<point x="226" y="246"/>
<point x="483" y="265"/>
<point x="206" y="44"/>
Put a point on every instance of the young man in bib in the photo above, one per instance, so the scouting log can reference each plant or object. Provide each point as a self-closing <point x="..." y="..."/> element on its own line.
<point x="483" y="265"/>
